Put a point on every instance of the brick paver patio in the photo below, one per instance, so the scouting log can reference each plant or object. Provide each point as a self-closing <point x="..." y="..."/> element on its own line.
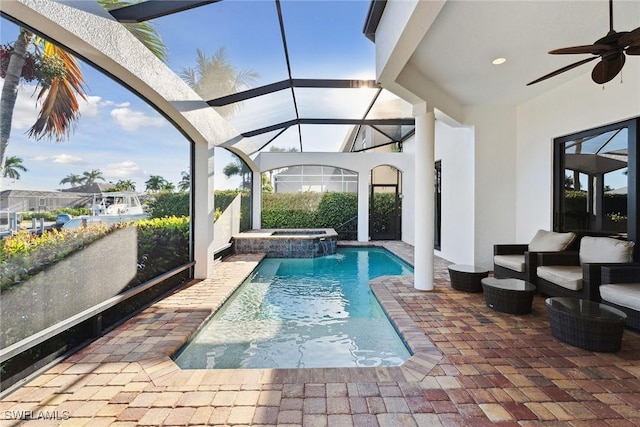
<point x="471" y="366"/>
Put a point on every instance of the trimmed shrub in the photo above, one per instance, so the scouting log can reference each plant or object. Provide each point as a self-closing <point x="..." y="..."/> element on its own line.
<point x="163" y="244"/>
<point x="223" y="198"/>
<point x="25" y="254"/>
<point x="336" y="208"/>
<point x="167" y="203"/>
<point x="308" y="210"/>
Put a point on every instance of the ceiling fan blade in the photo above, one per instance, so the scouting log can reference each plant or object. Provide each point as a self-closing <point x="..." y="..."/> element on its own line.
<point x="607" y="69"/>
<point x="630" y="38"/>
<point x="562" y="70"/>
<point x="595" y="49"/>
<point x="633" y="49"/>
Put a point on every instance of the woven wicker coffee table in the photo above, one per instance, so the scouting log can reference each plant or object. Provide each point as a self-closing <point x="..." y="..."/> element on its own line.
<point x="513" y="296"/>
<point x="467" y="277"/>
<point x="586" y="324"/>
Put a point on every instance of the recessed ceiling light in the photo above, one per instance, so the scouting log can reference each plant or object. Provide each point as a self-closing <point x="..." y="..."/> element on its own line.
<point x="498" y="61"/>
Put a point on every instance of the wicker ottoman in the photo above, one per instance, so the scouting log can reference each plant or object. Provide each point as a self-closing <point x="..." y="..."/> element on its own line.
<point x="513" y="296"/>
<point x="467" y="277"/>
<point x="586" y="324"/>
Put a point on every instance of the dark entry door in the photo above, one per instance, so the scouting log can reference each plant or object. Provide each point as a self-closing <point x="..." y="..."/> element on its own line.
<point x="384" y="212"/>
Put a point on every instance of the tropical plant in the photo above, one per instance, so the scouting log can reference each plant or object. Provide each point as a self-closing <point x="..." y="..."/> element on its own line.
<point x="72" y="179"/>
<point x="12" y="165"/>
<point x="156" y="183"/>
<point x="216" y="76"/>
<point x="164" y="204"/>
<point x="124" y="185"/>
<point x="267" y="187"/>
<point x="92" y="176"/>
<point x="185" y="182"/>
<point x="59" y="80"/>
<point x="145" y="32"/>
<point x="238" y="167"/>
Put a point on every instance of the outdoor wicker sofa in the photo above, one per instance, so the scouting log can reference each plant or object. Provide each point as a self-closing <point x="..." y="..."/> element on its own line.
<point x="578" y="274"/>
<point x="519" y="261"/>
<point x="621" y="289"/>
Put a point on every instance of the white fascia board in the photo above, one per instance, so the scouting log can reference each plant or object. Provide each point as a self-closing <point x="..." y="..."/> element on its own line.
<point x="403" y="25"/>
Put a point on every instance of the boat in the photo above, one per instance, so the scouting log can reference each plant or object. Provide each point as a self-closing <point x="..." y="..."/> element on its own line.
<point x="116" y="203"/>
<point x="110" y="208"/>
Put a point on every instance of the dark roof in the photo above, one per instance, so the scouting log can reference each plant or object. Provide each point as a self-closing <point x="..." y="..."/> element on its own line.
<point x="95" y="187"/>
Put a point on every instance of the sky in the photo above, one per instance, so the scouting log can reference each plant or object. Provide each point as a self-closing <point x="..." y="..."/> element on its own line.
<point x="125" y="138"/>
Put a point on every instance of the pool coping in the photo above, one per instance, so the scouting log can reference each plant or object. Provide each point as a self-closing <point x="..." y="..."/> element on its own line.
<point x="153" y="336"/>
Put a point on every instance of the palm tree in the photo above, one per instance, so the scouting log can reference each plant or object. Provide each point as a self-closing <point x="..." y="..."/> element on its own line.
<point x="58" y="77"/>
<point x="185" y="182"/>
<point x="12" y="165"/>
<point x="72" y="179"/>
<point x="124" y="185"/>
<point x="238" y="167"/>
<point x="215" y="76"/>
<point x="156" y="183"/>
<point x="92" y="176"/>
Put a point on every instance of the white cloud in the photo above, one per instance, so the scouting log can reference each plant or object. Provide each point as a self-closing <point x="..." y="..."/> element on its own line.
<point x="113" y="104"/>
<point x="68" y="159"/>
<point x="89" y="107"/>
<point x="131" y="120"/>
<point x="124" y="169"/>
<point x="25" y="112"/>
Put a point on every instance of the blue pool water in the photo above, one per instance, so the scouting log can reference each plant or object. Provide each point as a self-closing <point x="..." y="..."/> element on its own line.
<point x="303" y="313"/>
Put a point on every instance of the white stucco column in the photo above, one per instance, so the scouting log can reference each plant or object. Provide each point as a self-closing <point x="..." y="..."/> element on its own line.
<point x="203" y="210"/>
<point x="363" y="206"/>
<point x="256" y="201"/>
<point x="424" y="203"/>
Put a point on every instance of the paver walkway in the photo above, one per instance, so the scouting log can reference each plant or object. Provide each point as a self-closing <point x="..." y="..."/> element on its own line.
<point x="472" y="366"/>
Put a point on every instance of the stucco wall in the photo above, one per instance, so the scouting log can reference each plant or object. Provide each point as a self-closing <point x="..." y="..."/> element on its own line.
<point x="575" y="106"/>
<point x="495" y="178"/>
<point x="455" y="148"/>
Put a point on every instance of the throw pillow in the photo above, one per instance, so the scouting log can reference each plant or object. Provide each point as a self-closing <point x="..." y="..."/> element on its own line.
<point x="605" y="249"/>
<point x="550" y="241"/>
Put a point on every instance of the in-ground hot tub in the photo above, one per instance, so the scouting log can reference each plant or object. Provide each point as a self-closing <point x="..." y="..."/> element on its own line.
<point x="287" y="243"/>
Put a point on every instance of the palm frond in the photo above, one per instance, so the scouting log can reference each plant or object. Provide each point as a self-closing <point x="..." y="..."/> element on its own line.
<point x="73" y="73"/>
<point x="189" y="76"/>
<point x="60" y="108"/>
<point x="143" y="31"/>
<point x="58" y="114"/>
<point x="149" y="36"/>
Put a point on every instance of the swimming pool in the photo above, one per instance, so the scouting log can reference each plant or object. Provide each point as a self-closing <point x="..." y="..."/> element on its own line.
<point x="303" y="313"/>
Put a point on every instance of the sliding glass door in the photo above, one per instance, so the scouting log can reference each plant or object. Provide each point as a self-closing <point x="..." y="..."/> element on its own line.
<point x="596" y="180"/>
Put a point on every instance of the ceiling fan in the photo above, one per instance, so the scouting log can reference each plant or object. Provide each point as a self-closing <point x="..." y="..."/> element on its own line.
<point x="610" y="49"/>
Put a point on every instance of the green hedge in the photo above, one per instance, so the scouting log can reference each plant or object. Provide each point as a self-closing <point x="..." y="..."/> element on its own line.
<point x="163" y="244"/>
<point x="166" y="204"/>
<point x="308" y="210"/>
<point x="223" y="198"/>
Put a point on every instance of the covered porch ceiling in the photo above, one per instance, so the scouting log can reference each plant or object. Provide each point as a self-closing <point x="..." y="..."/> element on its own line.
<point x="457" y="49"/>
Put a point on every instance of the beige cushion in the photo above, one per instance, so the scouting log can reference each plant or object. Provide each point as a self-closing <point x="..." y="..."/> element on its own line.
<point x="567" y="276"/>
<point x="512" y="262"/>
<point x="605" y="249"/>
<point x="624" y="294"/>
<point x="550" y="241"/>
